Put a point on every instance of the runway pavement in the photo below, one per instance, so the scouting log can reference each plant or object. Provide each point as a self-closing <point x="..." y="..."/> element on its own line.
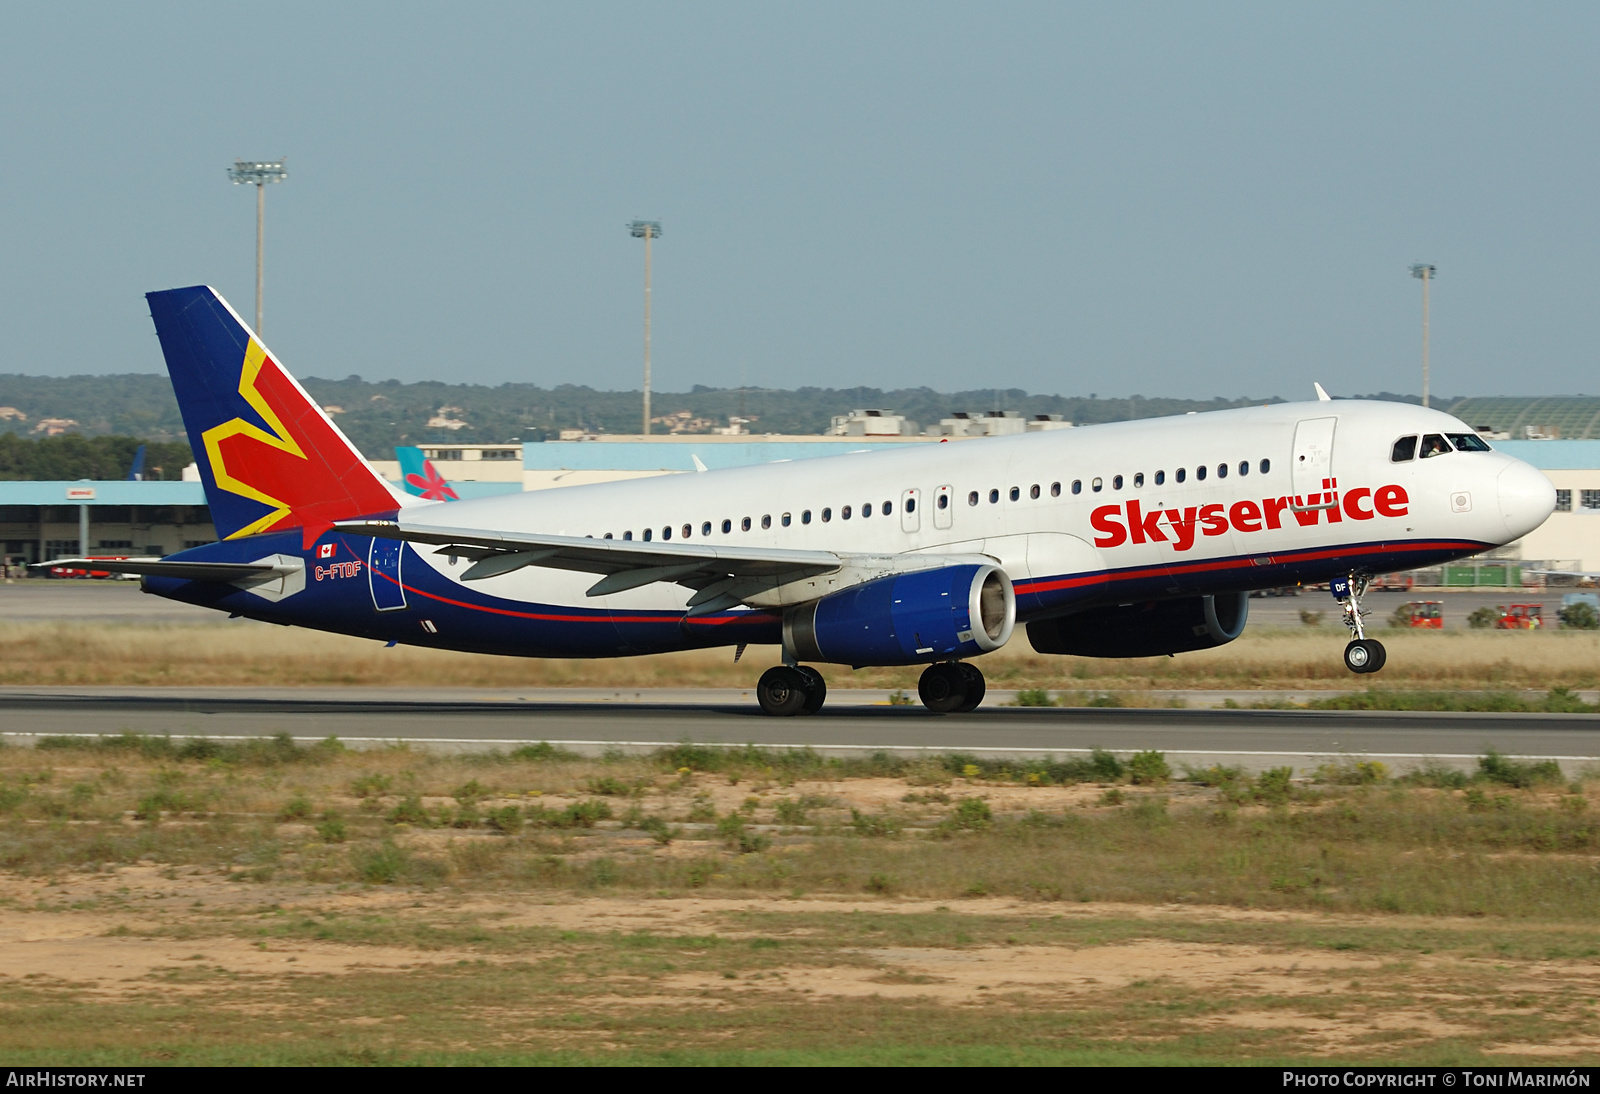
<point x="594" y="721"/>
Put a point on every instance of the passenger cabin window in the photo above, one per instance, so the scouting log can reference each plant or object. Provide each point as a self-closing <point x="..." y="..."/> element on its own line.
<point x="1468" y="442"/>
<point x="844" y="514"/>
<point x="1138" y="480"/>
<point x="1033" y="491"/>
<point x="1015" y="493"/>
<point x="1096" y="485"/>
<point x="911" y="506"/>
<point x="686" y="530"/>
<point x="1116" y="482"/>
<point x="866" y="510"/>
<point x="1433" y="444"/>
<point x="994" y="497"/>
<point x="627" y="535"/>
<point x="1077" y="486"/>
<point x="805" y="516"/>
<point x="606" y="536"/>
<point x="1055" y="490"/>
<point x="766" y="521"/>
<point x="1244" y="467"/>
<point x="666" y="533"/>
<point x="785" y="518"/>
<point x="1266" y="465"/>
<point x="944" y="501"/>
<point x="727" y="526"/>
<point x="647" y="534"/>
<point x="705" y="529"/>
<point x="1161" y="477"/>
<point x="827" y="515"/>
<point x="744" y="525"/>
<point x="1222" y="470"/>
<point x="1405" y="449"/>
<point x="972" y="498"/>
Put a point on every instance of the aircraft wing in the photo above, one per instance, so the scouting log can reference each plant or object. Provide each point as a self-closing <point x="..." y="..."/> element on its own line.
<point x="155" y="567"/>
<point x="722" y="576"/>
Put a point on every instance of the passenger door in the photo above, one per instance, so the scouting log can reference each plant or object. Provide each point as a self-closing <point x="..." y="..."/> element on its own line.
<point x="1313" y="457"/>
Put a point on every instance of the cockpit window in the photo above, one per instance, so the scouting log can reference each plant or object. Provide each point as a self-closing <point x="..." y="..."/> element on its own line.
<point x="1404" y="449"/>
<point x="1434" y="444"/>
<point x="1468" y="442"/>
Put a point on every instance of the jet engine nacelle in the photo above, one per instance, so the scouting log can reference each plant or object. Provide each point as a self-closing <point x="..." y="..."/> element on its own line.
<point x="1150" y="629"/>
<point x="906" y="619"/>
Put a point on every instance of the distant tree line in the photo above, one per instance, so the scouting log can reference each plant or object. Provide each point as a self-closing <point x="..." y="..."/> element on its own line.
<point x="378" y="415"/>
<point x="74" y="456"/>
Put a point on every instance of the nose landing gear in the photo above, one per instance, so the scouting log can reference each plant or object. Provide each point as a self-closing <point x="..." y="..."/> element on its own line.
<point x="1363" y="654"/>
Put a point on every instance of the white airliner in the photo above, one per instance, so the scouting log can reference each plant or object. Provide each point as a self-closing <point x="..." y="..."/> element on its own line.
<point x="1127" y="540"/>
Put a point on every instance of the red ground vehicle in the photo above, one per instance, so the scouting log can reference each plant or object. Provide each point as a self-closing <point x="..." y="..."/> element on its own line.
<point x="72" y="571"/>
<point x="1520" y="617"/>
<point x="1428" y="614"/>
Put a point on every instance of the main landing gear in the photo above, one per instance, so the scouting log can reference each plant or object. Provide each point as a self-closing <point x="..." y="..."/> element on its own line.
<point x="950" y="687"/>
<point x="785" y="690"/>
<point x="1363" y="654"/>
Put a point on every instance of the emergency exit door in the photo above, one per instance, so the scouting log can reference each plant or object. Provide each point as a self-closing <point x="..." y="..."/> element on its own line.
<point x="1313" y="456"/>
<point x="383" y="575"/>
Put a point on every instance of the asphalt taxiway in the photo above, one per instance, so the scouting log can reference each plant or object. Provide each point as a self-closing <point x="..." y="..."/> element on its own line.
<point x="594" y="721"/>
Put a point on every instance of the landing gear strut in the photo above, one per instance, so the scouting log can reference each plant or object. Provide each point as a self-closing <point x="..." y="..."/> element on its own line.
<point x="1363" y="654"/>
<point x="951" y="687"/>
<point x="785" y="691"/>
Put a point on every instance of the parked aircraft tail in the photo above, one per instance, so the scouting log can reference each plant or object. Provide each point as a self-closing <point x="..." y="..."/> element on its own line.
<point x="269" y="457"/>
<point x="419" y="478"/>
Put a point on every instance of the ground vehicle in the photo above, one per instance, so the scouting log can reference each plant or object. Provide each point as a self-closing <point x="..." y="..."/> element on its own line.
<point x="81" y="571"/>
<point x="1426" y="614"/>
<point x="1520" y="617"/>
<point x="1393" y="583"/>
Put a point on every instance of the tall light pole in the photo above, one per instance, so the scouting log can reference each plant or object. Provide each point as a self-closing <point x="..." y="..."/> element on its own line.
<point x="247" y="173"/>
<point x="646" y="230"/>
<point x="1427" y="274"/>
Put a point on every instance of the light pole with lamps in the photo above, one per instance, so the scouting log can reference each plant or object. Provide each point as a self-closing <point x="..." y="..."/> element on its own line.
<point x="248" y="173"/>
<point x="1426" y="273"/>
<point x="646" y="230"/>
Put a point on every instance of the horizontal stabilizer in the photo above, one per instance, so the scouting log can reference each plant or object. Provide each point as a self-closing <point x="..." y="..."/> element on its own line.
<point x="155" y="567"/>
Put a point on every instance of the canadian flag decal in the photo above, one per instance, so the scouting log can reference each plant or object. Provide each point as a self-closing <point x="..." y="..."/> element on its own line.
<point x="325" y="550"/>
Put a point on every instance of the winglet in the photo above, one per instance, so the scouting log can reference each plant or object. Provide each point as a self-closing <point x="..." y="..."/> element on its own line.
<point x="698" y="466"/>
<point x="1322" y="396"/>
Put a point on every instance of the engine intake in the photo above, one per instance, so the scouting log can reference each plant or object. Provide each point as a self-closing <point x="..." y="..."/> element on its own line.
<point x="928" y="615"/>
<point x="1151" y="629"/>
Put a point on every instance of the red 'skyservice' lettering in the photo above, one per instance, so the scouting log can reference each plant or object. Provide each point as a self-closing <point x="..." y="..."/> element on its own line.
<point x="1242" y="516"/>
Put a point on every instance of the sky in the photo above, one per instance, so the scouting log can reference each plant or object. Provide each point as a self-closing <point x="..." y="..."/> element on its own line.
<point x="1159" y="199"/>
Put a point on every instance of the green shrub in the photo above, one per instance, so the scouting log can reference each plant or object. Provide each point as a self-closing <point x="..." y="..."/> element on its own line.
<point x="1275" y="785"/>
<point x="382" y="864"/>
<point x="370" y="786"/>
<point x="1310" y="618"/>
<point x="409" y="811"/>
<point x="470" y="793"/>
<point x="790" y="811"/>
<point x="543" y="752"/>
<point x="659" y="830"/>
<point x="701" y="811"/>
<point x="507" y="820"/>
<point x="609" y="785"/>
<point x="1148" y="768"/>
<point x="971" y="814"/>
<point x="1034" y="697"/>
<point x="331" y="830"/>
<point x="1521" y="774"/>
<point x="738" y="837"/>
<point x="1483" y="618"/>
<point x="1580" y="616"/>
<point x="873" y="824"/>
<point x="295" y="809"/>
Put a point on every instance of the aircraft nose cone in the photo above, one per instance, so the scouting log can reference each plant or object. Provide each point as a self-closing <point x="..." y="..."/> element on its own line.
<point x="1526" y="498"/>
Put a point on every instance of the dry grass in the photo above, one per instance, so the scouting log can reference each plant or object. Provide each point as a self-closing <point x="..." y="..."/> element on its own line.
<point x="242" y="654"/>
<point x="198" y="904"/>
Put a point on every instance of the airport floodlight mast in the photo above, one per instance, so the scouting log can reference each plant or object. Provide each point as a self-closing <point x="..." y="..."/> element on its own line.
<point x="1427" y="274"/>
<point x="250" y="173"/>
<point x="646" y="230"/>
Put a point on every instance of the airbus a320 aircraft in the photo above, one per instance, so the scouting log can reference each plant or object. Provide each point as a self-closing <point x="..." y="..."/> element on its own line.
<point x="1134" y="539"/>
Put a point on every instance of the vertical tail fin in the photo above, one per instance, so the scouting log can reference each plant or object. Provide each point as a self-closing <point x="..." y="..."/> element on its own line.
<point x="269" y="457"/>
